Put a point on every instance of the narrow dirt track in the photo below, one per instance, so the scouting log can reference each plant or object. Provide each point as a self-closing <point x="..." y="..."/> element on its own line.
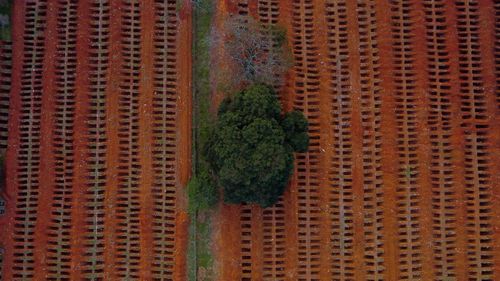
<point x="400" y="182"/>
<point x="99" y="141"/>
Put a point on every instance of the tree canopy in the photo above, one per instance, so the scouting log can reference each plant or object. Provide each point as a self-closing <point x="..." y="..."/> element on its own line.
<point x="250" y="149"/>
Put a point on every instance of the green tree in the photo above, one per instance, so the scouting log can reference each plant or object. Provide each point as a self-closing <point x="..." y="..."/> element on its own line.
<point x="250" y="149"/>
<point x="295" y="125"/>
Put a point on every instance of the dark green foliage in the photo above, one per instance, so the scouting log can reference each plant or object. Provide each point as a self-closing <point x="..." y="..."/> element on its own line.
<point x="5" y="15"/>
<point x="279" y="34"/>
<point x="295" y="125"/>
<point x="300" y="142"/>
<point x="250" y="149"/>
<point x="202" y="192"/>
<point x="5" y="7"/>
<point x="224" y="106"/>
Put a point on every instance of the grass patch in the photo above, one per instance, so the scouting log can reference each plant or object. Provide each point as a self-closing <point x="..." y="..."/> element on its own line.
<point x="202" y="192"/>
<point x="200" y="259"/>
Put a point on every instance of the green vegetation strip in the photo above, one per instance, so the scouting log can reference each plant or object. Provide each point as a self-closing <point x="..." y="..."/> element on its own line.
<point x="199" y="251"/>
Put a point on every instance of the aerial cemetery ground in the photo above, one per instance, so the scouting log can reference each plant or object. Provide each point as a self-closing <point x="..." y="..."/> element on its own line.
<point x="106" y="104"/>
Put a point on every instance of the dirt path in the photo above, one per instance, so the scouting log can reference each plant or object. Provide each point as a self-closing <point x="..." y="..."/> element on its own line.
<point x="81" y="166"/>
<point x="389" y="144"/>
<point x="110" y="186"/>
<point x="184" y="136"/>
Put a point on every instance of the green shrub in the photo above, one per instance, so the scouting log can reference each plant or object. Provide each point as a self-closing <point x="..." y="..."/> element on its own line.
<point x="295" y="125"/>
<point x="202" y="192"/>
<point x="250" y="149"/>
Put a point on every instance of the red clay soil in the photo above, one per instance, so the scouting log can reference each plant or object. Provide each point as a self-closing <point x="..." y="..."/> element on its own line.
<point x="401" y="179"/>
<point x="80" y="143"/>
<point x="5" y="77"/>
<point x="99" y="141"/>
<point x="11" y="161"/>
<point x="222" y="10"/>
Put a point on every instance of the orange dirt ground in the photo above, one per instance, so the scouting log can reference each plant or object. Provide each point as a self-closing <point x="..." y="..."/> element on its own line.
<point x="401" y="181"/>
<point x="99" y="141"/>
<point x="5" y="70"/>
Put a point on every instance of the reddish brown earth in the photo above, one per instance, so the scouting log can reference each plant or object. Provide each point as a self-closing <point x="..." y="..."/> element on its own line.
<point x="401" y="179"/>
<point x="5" y="77"/>
<point x="99" y="141"/>
<point x="5" y="73"/>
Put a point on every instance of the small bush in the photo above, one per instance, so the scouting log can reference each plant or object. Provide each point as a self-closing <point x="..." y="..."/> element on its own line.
<point x="202" y="192"/>
<point x="295" y="125"/>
